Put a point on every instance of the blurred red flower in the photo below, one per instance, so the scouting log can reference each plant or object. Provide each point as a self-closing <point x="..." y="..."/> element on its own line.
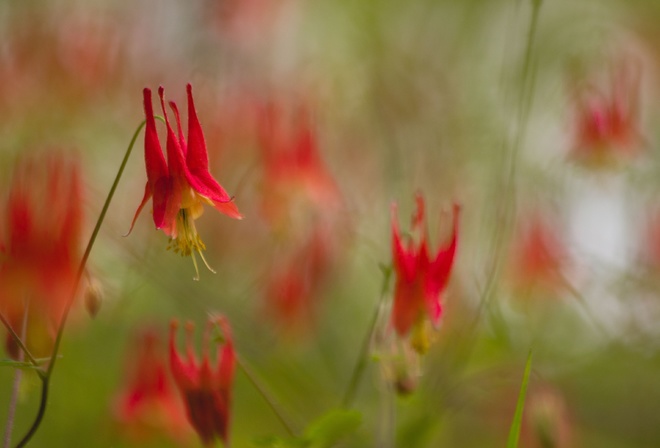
<point x="607" y="120"/>
<point x="181" y="186"/>
<point x="295" y="281"/>
<point x="537" y="257"/>
<point x="40" y="249"/>
<point x="420" y="278"/>
<point x="148" y="407"/>
<point x="296" y="183"/>
<point x="246" y="22"/>
<point x="207" y="394"/>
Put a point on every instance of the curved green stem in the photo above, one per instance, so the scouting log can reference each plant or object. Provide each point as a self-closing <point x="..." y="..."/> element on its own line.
<point x="266" y="397"/>
<point x="361" y="363"/>
<point x="45" y="379"/>
<point x="528" y="78"/>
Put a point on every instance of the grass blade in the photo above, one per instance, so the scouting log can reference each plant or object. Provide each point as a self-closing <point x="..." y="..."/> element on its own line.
<point x="514" y="432"/>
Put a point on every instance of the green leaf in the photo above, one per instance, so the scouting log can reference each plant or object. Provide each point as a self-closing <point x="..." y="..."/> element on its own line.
<point x="332" y="427"/>
<point x="324" y="432"/>
<point x="514" y="432"/>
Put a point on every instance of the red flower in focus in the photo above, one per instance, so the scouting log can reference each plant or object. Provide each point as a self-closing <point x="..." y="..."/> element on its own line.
<point x="207" y="394"/>
<point x="182" y="186"/>
<point x="537" y="257"/>
<point x="296" y="181"/>
<point x="420" y="278"/>
<point x="40" y="249"/>
<point x="148" y="406"/>
<point x="608" y="120"/>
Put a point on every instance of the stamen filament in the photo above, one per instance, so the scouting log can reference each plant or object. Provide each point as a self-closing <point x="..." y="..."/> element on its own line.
<point x="201" y="254"/>
<point x="196" y="277"/>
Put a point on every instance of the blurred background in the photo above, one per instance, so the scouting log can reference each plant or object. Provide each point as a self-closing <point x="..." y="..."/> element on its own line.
<point x="318" y="116"/>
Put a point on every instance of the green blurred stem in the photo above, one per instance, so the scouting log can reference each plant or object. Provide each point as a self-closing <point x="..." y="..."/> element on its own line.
<point x="528" y="79"/>
<point x="13" y="401"/>
<point x="361" y="363"/>
<point x="267" y="398"/>
<point x="45" y="379"/>
<point x="18" y="373"/>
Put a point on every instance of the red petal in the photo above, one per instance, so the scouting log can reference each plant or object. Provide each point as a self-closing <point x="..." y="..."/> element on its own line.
<point x="166" y="205"/>
<point x="407" y="305"/>
<point x="404" y="260"/>
<point x="185" y="376"/>
<point x="418" y="216"/>
<point x="439" y="270"/>
<point x="226" y="367"/>
<point x="153" y="153"/>
<point x="145" y="198"/>
<point x="197" y="159"/>
<point x="175" y="157"/>
<point x="226" y="357"/>
<point x="179" y="130"/>
<point x="228" y="208"/>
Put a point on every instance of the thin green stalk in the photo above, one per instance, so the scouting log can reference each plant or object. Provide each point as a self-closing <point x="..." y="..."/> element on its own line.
<point x="18" y="373"/>
<point x="361" y="363"/>
<point x="525" y="103"/>
<point x="20" y="343"/>
<point x="271" y="403"/>
<point x="514" y="432"/>
<point x="45" y="379"/>
<point x="585" y="306"/>
<point x="13" y="402"/>
<point x="507" y="206"/>
<point x="90" y="244"/>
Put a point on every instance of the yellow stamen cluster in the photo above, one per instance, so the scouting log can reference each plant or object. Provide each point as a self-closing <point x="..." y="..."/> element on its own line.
<point x="422" y="337"/>
<point x="187" y="241"/>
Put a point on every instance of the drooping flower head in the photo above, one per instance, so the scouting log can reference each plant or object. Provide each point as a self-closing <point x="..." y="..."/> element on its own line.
<point x="206" y="391"/>
<point x="420" y="277"/>
<point x="295" y="282"/>
<point x="296" y="181"/>
<point x="538" y="257"/>
<point x="40" y="248"/>
<point x="181" y="186"/>
<point x="148" y="407"/>
<point x="607" y="118"/>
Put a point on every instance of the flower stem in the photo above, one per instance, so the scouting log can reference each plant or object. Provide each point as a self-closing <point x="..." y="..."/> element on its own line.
<point x="361" y="363"/>
<point x="20" y="343"/>
<point x="265" y="396"/>
<point x="18" y="373"/>
<point x="45" y="378"/>
<point x="13" y="401"/>
<point x="527" y="82"/>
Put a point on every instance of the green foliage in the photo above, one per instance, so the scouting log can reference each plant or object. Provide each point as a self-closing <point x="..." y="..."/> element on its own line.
<point x="514" y="432"/>
<point x="325" y="432"/>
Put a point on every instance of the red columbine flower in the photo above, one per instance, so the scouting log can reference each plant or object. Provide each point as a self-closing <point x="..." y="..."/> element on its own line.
<point x="608" y="120"/>
<point x="538" y="257"/>
<point x="148" y="406"/>
<point x="295" y="282"/>
<point x="207" y="394"/>
<point x="182" y="186"/>
<point x="296" y="182"/>
<point x="420" y="279"/>
<point x="40" y="248"/>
